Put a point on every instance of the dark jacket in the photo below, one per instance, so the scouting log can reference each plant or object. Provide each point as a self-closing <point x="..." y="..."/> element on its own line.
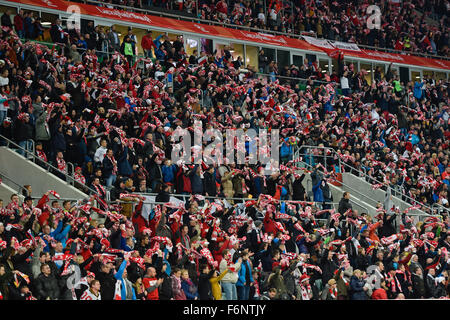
<point x="204" y="286"/>
<point x="356" y="289"/>
<point x="328" y="267"/>
<point x="107" y="284"/>
<point x="388" y="228"/>
<point x="107" y="168"/>
<point x="298" y="189"/>
<point x="344" y="205"/>
<point x="47" y="287"/>
<point x="418" y="285"/>
<point x="209" y="182"/>
<point x="196" y="182"/>
<point x="165" y="290"/>
<point x="24" y="130"/>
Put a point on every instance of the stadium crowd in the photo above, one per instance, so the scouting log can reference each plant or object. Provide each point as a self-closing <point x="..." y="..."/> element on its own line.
<point x="403" y="27"/>
<point x="113" y="117"/>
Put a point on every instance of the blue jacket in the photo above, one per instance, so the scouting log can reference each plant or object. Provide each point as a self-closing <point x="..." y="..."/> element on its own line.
<point x="318" y="194"/>
<point x="189" y="295"/>
<point x="59" y="235"/>
<point x="418" y="90"/>
<point x="168" y="173"/>
<point x="123" y="166"/>
<point x="119" y="276"/>
<point x="241" y="274"/>
<point x="286" y="149"/>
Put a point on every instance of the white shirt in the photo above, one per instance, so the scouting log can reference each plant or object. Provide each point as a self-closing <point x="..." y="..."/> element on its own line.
<point x="262" y="17"/>
<point x="4" y="81"/>
<point x="344" y="83"/>
<point x="100" y="154"/>
<point x="375" y="116"/>
<point x="88" y="295"/>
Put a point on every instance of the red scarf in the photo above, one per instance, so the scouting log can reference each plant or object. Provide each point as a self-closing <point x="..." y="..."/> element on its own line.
<point x="61" y="164"/>
<point x="114" y="163"/>
<point x="41" y="155"/>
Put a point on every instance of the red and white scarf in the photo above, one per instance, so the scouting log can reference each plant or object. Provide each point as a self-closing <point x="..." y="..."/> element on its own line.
<point x="393" y="282"/>
<point x="114" y="163"/>
<point x="61" y="165"/>
<point x="80" y="178"/>
<point x="100" y="190"/>
<point x="41" y="155"/>
<point x="305" y="291"/>
<point x="333" y="293"/>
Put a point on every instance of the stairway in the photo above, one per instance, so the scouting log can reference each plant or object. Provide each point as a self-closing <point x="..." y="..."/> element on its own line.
<point x="22" y="171"/>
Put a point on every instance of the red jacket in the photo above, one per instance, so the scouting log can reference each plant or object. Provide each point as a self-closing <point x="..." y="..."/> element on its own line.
<point x="147" y="42"/>
<point x="150" y="282"/>
<point x="43" y="218"/>
<point x="18" y="22"/>
<point x="269" y="225"/>
<point x="138" y="220"/>
<point x="379" y="294"/>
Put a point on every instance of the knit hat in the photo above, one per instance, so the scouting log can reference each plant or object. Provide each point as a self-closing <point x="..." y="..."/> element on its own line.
<point x="304" y="277"/>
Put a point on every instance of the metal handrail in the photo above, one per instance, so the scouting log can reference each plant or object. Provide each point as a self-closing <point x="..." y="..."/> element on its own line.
<point x="20" y="187"/>
<point x="345" y="185"/>
<point x="354" y="202"/>
<point x="289" y="35"/>
<point x="341" y="163"/>
<point x="48" y="165"/>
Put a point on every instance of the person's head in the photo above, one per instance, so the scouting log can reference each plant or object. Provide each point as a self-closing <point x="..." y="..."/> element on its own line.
<point x="28" y="201"/>
<point x="272" y="293"/>
<point x="129" y="183"/>
<point x="94" y="285"/>
<point x="59" y="247"/>
<point x="332" y="283"/>
<point x="151" y="272"/>
<point x="346" y="195"/>
<point x="357" y="273"/>
<point x="177" y="272"/>
<point x="110" y="153"/>
<point x="432" y="271"/>
<point x="43" y="257"/>
<point x="205" y="268"/>
<point x="103" y="143"/>
<point x="400" y="296"/>
<point x="184" y="229"/>
<point x="106" y="268"/>
<point x="45" y="269"/>
<point x="66" y="204"/>
<point x="184" y="274"/>
<point x="2" y="270"/>
<point x="14" y="198"/>
<point x="380" y="265"/>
